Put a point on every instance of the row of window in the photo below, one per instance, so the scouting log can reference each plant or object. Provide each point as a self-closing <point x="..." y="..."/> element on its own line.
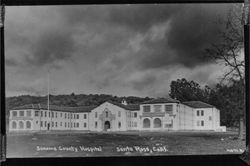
<point x="156" y="123"/>
<point x="55" y="114"/>
<point x="132" y="124"/>
<point x="119" y="124"/>
<point x="21" y="113"/>
<point x="21" y="125"/>
<point x="200" y="112"/>
<point x="66" y="124"/>
<point x="47" y="114"/>
<point x="158" y="108"/>
<point x="132" y="114"/>
<point x="107" y="114"/>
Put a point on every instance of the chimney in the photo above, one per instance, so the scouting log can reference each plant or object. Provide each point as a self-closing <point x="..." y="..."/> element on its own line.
<point x="124" y="102"/>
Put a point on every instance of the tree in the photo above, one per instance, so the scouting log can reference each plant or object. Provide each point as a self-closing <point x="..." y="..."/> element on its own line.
<point x="225" y="97"/>
<point x="229" y="51"/>
<point x="184" y="90"/>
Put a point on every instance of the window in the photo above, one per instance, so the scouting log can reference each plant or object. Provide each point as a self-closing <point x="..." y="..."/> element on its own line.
<point x="202" y="123"/>
<point x="52" y="113"/>
<point x="36" y="113"/>
<point x="210" y="117"/>
<point x="157" y="108"/>
<point x="198" y="113"/>
<point x="45" y="114"/>
<point x="119" y="114"/>
<point x="85" y="116"/>
<point x="41" y="113"/>
<point x="146" y="123"/>
<point x="68" y="124"/>
<point x="202" y="113"/>
<point x="65" y="115"/>
<point x="56" y="114"/>
<point x="71" y="116"/>
<point x="65" y="124"/>
<point x="77" y="125"/>
<point x="119" y="125"/>
<point x="52" y="124"/>
<point x="21" y="113"/>
<point x="135" y="114"/>
<point x="61" y="114"/>
<point x="41" y="123"/>
<point x="157" y="123"/>
<point x="146" y="108"/>
<point x="49" y="114"/>
<point x="56" y="124"/>
<point x="107" y="114"/>
<point x="95" y="114"/>
<point x="13" y="125"/>
<point x="84" y="125"/>
<point x="28" y="125"/>
<point x="77" y="116"/>
<point x="169" y="109"/>
<point x="14" y="113"/>
<point x="68" y="116"/>
<point x="45" y="123"/>
<point x="29" y="113"/>
<point x="96" y="124"/>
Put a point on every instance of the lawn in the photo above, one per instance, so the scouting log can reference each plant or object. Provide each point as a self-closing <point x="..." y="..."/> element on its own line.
<point x="77" y="144"/>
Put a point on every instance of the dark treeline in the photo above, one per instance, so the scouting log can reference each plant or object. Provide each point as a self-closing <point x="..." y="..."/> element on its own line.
<point x="229" y="99"/>
<point x="72" y="100"/>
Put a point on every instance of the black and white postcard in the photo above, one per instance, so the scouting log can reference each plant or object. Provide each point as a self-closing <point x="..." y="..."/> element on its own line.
<point x="124" y="80"/>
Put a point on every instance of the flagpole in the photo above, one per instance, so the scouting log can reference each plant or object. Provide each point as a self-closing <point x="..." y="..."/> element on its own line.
<point x="49" y="103"/>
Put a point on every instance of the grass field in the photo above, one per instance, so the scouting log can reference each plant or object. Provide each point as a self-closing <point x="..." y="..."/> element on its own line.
<point x="75" y="144"/>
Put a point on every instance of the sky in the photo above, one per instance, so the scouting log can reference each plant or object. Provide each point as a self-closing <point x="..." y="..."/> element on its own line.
<point x="123" y="50"/>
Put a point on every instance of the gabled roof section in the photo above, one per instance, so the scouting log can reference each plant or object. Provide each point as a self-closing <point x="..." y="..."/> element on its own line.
<point x="161" y="100"/>
<point x="198" y="104"/>
<point x="130" y="107"/>
<point x="56" y="108"/>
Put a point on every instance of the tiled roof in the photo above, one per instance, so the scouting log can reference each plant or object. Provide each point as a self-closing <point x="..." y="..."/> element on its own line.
<point x="161" y="100"/>
<point x="56" y="108"/>
<point x="197" y="104"/>
<point x="131" y="107"/>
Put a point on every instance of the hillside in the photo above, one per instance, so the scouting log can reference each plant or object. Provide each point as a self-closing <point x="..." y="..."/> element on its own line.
<point x="71" y="100"/>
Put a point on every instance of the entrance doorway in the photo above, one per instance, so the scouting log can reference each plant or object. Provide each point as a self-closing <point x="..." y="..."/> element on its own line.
<point x="106" y="125"/>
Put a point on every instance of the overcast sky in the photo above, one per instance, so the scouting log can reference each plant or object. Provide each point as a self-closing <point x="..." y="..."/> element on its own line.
<point x="113" y="49"/>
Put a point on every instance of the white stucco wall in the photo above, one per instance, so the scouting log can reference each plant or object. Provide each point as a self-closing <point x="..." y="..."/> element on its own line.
<point x="114" y="123"/>
<point x="165" y="118"/>
<point x="182" y="117"/>
<point x="185" y="118"/>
